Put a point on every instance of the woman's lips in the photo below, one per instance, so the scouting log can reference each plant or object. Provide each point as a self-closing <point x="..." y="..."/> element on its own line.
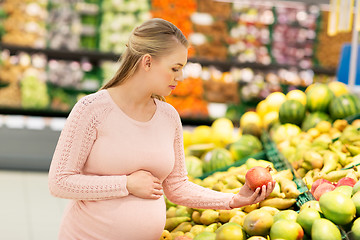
<point x="172" y="87"/>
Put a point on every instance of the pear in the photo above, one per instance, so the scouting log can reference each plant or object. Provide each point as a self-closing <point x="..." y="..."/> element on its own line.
<point x="211" y="228"/>
<point x="226" y="215"/>
<point x="209" y="216"/>
<point x="171" y="212"/>
<point x="172" y="223"/>
<point x="183" y="227"/>
<point x="174" y="235"/>
<point x="196" y="217"/>
<point x="196" y="229"/>
<point x="166" y="235"/>
<point x="239" y="219"/>
<point x="183" y="211"/>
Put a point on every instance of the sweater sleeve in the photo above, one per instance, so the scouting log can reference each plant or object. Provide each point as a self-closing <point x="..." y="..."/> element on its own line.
<point x="66" y="179"/>
<point x="179" y="190"/>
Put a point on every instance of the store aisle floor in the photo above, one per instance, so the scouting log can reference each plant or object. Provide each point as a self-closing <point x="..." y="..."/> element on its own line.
<point x="27" y="210"/>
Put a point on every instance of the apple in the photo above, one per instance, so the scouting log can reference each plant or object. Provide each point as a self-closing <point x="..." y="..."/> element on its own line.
<point x="346" y="181"/>
<point x="317" y="183"/>
<point x="323" y="188"/>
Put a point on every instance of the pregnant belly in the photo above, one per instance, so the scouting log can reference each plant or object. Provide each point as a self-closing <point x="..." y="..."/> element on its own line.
<point x="121" y="219"/>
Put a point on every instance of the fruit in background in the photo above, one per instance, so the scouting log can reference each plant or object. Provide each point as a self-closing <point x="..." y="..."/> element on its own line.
<point x="250" y="117"/>
<point x="284" y="132"/>
<point x="262" y="108"/>
<point x="314" y="118"/>
<point x="216" y="159"/>
<point x="270" y="118"/>
<point x="230" y="231"/>
<point x="344" y="189"/>
<point x="292" y="111"/>
<point x="356" y="200"/>
<point x="205" y="236"/>
<point x="338" y="88"/>
<point x="356" y="187"/>
<point x="355" y="229"/>
<point x="194" y="166"/>
<point x="318" y="98"/>
<point x="297" y="95"/>
<point x="256" y="238"/>
<point x="344" y="106"/>
<point x="258" y="223"/>
<point x="34" y="92"/>
<point x="187" y="135"/>
<point x="201" y="134"/>
<point x="284" y="229"/>
<point x="317" y="183"/>
<point x="257" y="177"/>
<point x="346" y="181"/>
<point x="250" y="123"/>
<point x="274" y="100"/>
<point x="198" y="150"/>
<point x="311" y="204"/>
<point x="324" y="229"/>
<point x="222" y="131"/>
<point x="306" y="218"/>
<point x="245" y="146"/>
<point x="323" y="188"/>
<point x="289" y="215"/>
<point x="337" y="207"/>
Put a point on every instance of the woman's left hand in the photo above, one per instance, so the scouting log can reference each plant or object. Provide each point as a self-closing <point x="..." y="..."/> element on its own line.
<point x="246" y="196"/>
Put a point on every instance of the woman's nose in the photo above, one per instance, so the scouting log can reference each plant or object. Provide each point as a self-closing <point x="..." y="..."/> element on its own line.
<point x="180" y="76"/>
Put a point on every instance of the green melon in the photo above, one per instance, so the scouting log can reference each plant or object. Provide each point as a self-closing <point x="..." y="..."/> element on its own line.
<point x="292" y="111"/>
<point x="318" y="98"/>
<point x="245" y="146"/>
<point x="312" y="119"/>
<point x="344" y="106"/>
<point x="216" y="159"/>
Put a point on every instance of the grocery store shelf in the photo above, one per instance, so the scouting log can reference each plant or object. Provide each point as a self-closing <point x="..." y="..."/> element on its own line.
<point x="62" y="54"/>
<point x="94" y="56"/>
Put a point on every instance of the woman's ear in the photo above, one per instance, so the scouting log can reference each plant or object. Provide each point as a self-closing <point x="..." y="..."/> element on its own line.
<point x="146" y="62"/>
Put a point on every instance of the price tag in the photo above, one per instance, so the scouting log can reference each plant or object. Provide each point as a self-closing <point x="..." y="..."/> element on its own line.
<point x="15" y="121"/>
<point x="35" y="123"/>
<point x="57" y="124"/>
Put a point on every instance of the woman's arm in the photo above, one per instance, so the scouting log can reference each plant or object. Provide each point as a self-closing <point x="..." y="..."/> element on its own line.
<point x="178" y="189"/>
<point x="74" y="145"/>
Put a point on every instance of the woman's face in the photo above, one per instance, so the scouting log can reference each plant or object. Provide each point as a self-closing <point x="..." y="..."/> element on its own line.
<point x="167" y="71"/>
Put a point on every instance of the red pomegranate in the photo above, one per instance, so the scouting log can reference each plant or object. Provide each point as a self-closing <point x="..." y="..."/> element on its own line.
<point x="258" y="176"/>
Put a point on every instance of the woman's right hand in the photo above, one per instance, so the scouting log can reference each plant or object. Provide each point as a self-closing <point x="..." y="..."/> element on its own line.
<point x="143" y="184"/>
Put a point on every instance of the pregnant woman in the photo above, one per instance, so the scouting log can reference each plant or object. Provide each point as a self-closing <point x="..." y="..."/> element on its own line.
<point x="121" y="148"/>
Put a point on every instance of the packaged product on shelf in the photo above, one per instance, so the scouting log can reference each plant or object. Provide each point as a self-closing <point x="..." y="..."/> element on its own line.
<point x="210" y="30"/>
<point x="250" y="33"/>
<point x="294" y="35"/>
<point x="25" y="24"/>
<point x="118" y="20"/>
<point x="64" y="26"/>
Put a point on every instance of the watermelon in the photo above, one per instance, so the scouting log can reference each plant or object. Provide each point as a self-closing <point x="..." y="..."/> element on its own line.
<point x="245" y="146"/>
<point x="318" y="98"/>
<point x="292" y="111"/>
<point x="344" y="106"/>
<point x="216" y="159"/>
<point x="314" y="118"/>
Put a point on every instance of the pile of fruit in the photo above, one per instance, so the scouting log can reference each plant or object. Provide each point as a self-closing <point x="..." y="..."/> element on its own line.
<point x="211" y="148"/>
<point x="253" y="220"/>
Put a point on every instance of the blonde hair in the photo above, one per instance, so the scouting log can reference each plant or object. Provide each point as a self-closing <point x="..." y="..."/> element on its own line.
<point x="156" y="37"/>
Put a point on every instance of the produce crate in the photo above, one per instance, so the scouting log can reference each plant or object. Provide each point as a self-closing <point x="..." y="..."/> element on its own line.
<point x="258" y="156"/>
<point x="281" y="163"/>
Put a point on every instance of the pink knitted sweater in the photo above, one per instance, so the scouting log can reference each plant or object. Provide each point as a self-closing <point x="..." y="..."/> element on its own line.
<point x="97" y="148"/>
